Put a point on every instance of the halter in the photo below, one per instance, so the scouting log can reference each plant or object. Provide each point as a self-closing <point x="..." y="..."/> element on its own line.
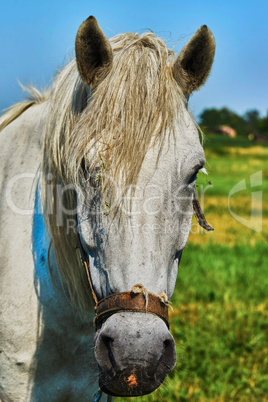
<point x="138" y="299"/>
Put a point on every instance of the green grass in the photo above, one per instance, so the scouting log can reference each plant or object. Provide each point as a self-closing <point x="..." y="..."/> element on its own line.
<point x="232" y="160"/>
<point x="221" y="141"/>
<point x="220" y="323"/>
<point x="220" y="317"/>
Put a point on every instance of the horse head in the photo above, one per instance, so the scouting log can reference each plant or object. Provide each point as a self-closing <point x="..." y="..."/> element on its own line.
<point x="133" y="155"/>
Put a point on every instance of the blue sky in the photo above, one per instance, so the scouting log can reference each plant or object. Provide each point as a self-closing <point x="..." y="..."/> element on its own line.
<point x="37" y="38"/>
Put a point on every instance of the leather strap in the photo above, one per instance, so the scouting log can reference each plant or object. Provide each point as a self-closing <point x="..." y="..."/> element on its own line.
<point x="84" y="260"/>
<point x="126" y="301"/>
<point x="130" y="301"/>
<point x="199" y="213"/>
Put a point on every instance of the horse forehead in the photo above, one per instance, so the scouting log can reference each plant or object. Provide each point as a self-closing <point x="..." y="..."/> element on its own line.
<point x="179" y="152"/>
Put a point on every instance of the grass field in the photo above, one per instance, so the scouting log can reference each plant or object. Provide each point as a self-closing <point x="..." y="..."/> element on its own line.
<point x="220" y="317"/>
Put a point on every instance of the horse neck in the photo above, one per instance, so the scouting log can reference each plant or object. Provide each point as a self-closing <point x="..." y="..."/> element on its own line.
<point x="49" y="284"/>
<point x="64" y="335"/>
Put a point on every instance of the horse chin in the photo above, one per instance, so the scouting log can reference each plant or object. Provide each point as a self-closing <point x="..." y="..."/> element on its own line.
<point x="130" y="382"/>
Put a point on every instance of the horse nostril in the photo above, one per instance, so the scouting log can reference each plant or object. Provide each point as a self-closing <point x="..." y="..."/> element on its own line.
<point x="168" y="359"/>
<point x="107" y="340"/>
<point x="167" y="343"/>
<point x="107" y="343"/>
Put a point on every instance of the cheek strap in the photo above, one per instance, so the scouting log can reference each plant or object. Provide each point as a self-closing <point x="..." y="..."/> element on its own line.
<point x="199" y="213"/>
<point x="138" y="299"/>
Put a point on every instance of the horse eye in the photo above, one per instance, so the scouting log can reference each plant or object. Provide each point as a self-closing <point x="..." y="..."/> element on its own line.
<point x="92" y="177"/>
<point x="194" y="176"/>
<point x="84" y="171"/>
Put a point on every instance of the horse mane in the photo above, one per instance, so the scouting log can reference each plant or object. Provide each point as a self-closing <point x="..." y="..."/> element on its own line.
<point x="34" y="97"/>
<point x="132" y="109"/>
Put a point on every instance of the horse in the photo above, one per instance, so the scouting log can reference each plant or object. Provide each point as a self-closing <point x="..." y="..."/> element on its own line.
<point x="97" y="188"/>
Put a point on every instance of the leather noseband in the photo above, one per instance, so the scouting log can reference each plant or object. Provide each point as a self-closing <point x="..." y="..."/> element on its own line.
<point x="131" y="301"/>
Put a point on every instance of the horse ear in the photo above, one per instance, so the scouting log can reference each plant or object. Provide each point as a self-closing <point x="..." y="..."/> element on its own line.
<point x="94" y="55"/>
<point x="193" y="64"/>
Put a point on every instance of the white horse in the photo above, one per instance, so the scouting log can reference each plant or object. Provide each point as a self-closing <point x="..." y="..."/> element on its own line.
<point x="97" y="183"/>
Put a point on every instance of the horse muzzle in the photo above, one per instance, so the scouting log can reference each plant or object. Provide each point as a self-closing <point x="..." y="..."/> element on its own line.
<point x="134" y="351"/>
<point x="133" y="347"/>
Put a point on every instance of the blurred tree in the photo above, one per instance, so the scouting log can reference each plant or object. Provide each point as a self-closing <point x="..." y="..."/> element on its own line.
<point x="251" y="122"/>
<point x="252" y="118"/>
<point x="211" y="118"/>
<point x="263" y="125"/>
